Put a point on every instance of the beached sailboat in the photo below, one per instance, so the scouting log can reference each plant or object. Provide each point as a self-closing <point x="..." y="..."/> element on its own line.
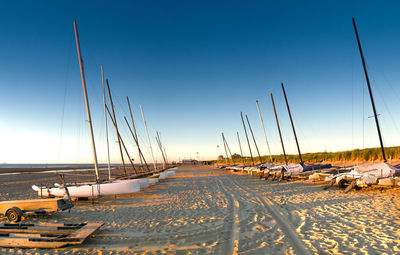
<point x="290" y="170"/>
<point x="96" y="188"/>
<point x="90" y="189"/>
<point x="379" y="173"/>
<point x="276" y="169"/>
<point x="255" y="170"/>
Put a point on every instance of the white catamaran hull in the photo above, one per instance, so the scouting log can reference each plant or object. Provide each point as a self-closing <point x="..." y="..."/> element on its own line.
<point x="90" y="190"/>
<point x="166" y="174"/>
<point x="171" y="173"/>
<point x="142" y="182"/>
<point x="163" y="175"/>
<point x="152" y="180"/>
<point x="367" y="174"/>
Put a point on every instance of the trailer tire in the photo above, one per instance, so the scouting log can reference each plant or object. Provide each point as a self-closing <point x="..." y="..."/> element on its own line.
<point x="343" y="183"/>
<point x="14" y="214"/>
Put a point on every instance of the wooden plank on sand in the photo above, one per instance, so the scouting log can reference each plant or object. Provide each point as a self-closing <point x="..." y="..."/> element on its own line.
<point x="36" y="237"/>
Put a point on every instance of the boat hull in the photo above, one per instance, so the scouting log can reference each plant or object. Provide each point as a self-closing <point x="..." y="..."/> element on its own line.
<point x="163" y="175"/>
<point x="152" y="180"/>
<point x="91" y="190"/>
<point x="142" y="182"/>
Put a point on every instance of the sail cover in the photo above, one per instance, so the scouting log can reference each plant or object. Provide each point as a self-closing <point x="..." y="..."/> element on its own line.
<point x="379" y="170"/>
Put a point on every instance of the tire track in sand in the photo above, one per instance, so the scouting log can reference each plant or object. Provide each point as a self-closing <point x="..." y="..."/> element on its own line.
<point x="284" y="224"/>
<point x="231" y="246"/>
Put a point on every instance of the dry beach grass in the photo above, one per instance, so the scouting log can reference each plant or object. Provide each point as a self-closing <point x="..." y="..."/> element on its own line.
<point x="205" y="210"/>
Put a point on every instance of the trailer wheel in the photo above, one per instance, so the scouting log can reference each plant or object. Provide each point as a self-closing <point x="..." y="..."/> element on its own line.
<point x="14" y="214"/>
<point x="343" y="183"/>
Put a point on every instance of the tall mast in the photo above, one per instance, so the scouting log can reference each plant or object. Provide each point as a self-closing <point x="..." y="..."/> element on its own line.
<point x="105" y="121"/>
<point x="161" y="149"/>
<point x="116" y="127"/>
<point x="227" y="146"/>
<point x="279" y="129"/>
<point x="226" y="152"/>
<point x="135" y="139"/>
<point x="291" y="121"/>
<point x="370" y="91"/>
<point x="165" y="152"/>
<point x="122" y="141"/>
<point x="134" y="129"/>
<point x="254" y="140"/>
<point x="137" y="143"/>
<point x="240" y="147"/>
<point x="247" y="138"/>
<point x="148" y="137"/>
<point x="265" y="133"/>
<point x="162" y="153"/>
<point x="86" y="102"/>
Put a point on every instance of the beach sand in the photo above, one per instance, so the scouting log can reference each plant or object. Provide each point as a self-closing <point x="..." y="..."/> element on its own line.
<point x="203" y="210"/>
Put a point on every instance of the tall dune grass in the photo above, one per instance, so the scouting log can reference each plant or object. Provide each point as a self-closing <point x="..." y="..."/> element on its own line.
<point x="369" y="154"/>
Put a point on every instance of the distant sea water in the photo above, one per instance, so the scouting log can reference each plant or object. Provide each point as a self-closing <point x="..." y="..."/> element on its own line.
<point x="6" y="165"/>
<point x="13" y="168"/>
<point x="57" y="168"/>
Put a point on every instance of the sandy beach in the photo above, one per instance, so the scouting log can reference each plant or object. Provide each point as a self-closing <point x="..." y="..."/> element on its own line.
<point x="204" y="210"/>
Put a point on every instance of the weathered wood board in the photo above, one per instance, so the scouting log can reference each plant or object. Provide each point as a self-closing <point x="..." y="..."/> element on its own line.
<point x="45" y="235"/>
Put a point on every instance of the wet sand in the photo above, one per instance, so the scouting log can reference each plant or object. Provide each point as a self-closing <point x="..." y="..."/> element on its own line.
<point x="203" y="210"/>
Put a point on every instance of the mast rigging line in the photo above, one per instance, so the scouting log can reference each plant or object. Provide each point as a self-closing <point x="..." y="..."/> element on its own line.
<point x="86" y="102"/>
<point x="369" y="90"/>
<point x="247" y="138"/>
<point x="161" y="149"/>
<point x="265" y="133"/>
<point x="134" y="134"/>
<point x="120" y="108"/>
<point x="139" y="133"/>
<point x="122" y="142"/>
<point x="106" y="126"/>
<point x="140" y="151"/>
<point x="386" y="107"/>
<point x="254" y="140"/>
<point x="148" y="136"/>
<point x="227" y="146"/>
<point x="69" y="56"/>
<point x="120" y="117"/>
<point x="387" y="81"/>
<point x="116" y="127"/>
<point x="279" y="129"/>
<point x="240" y="147"/>
<point x="161" y="146"/>
<point x="291" y="122"/>
<point x="165" y="152"/>
<point x="226" y="152"/>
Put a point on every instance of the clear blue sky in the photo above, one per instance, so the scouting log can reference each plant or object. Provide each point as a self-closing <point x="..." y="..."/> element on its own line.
<point x="194" y="65"/>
